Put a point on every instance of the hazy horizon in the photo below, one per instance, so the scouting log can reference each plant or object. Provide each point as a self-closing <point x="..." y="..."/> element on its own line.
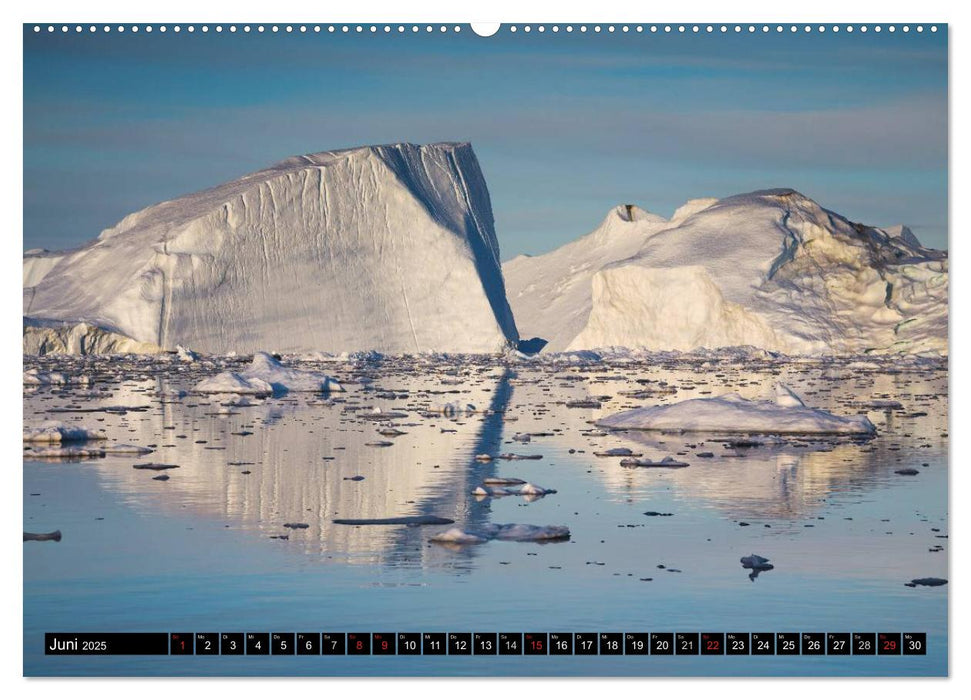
<point x="565" y="126"/>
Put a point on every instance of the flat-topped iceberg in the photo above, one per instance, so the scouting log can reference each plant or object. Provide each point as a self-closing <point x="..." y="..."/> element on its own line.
<point x="731" y="413"/>
<point x="266" y="375"/>
<point x="390" y="248"/>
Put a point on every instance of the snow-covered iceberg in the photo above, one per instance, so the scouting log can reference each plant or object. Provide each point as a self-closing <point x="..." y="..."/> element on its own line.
<point x="731" y="413"/>
<point x="770" y="269"/>
<point x="58" y="432"/>
<point x="388" y="248"/>
<point x="266" y="375"/>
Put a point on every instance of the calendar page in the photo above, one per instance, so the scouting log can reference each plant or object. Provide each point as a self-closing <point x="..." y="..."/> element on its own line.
<point x="526" y="349"/>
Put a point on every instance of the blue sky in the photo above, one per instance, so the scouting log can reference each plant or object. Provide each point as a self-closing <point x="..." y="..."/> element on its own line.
<point x="565" y="126"/>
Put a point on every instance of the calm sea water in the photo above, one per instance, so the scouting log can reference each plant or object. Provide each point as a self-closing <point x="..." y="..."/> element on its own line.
<point x="199" y="552"/>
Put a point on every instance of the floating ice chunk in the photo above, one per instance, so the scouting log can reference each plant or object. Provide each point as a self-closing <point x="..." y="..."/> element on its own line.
<point x="930" y="581"/>
<point x="126" y="450"/>
<point x="666" y="463"/>
<point x="55" y="431"/>
<point x="43" y="536"/>
<point x="511" y="532"/>
<point x="527" y="533"/>
<point x="617" y="452"/>
<point x="458" y="536"/>
<point x="731" y="413"/>
<point x="502" y="481"/>
<point x="154" y="466"/>
<point x="51" y="453"/>
<point x="380" y="416"/>
<point x="754" y="561"/>
<point x="583" y="403"/>
<point x="34" y="377"/>
<point x="403" y="520"/>
<point x="529" y="489"/>
<point x="492" y="492"/>
<point x="266" y="375"/>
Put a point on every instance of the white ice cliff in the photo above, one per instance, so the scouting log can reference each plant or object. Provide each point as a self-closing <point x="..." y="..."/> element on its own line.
<point x="388" y="248"/>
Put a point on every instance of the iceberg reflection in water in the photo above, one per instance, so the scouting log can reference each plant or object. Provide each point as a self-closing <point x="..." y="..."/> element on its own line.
<point x="243" y="532"/>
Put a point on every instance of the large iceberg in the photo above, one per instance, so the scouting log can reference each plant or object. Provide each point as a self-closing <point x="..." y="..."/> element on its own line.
<point x="770" y="269"/>
<point x="388" y="248"/>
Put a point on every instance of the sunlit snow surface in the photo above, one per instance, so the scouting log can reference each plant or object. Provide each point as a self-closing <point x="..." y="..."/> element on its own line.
<point x="772" y="269"/>
<point x="380" y="247"/>
<point x="202" y="551"/>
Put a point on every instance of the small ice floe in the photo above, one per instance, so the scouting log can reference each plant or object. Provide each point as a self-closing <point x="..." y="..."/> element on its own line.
<point x="154" y="466"/>
<point x="458" y="536"/>
<point x="43" y="536"/>
<point x="757" y="565"/>
<point x="731" y="413"/>
<point x="55" y="431"/>
<point x="617" y="452"/>
<point x="879" y="404"/>
<point x="65" y="453"/>
<point x="381" y="416"/>
<point x="403" y="520"/>
<point x="929" y="581"/>
<point x="379" y="443"/>
<point x="126" y="450"/>
<point x="502" y="481"/>
<point x="583" y="403"/>
<point x="267" y="375"/>
<point x="519" y="488"/>
<point x="296" y="526"/>
<point x="509" y="456"/>
<point x="666" y="463"/>
<point x="754" y="561"/>
<point x="34" y="377"/>
<point x="510" y="532"/>
<point x="483" y="458"/>
<point x="481" y="492"/>
<point x="522" y="437"/>
<point x="529" y="489"/>
<point x="391" y="432"/>
<point x="751" y="442"/>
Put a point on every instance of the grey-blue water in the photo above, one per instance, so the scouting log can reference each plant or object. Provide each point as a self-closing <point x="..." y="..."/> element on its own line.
<point x="197" y="553"/>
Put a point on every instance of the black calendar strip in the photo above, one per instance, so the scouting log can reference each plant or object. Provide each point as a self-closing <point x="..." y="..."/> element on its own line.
<point x="487" y="643"/>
